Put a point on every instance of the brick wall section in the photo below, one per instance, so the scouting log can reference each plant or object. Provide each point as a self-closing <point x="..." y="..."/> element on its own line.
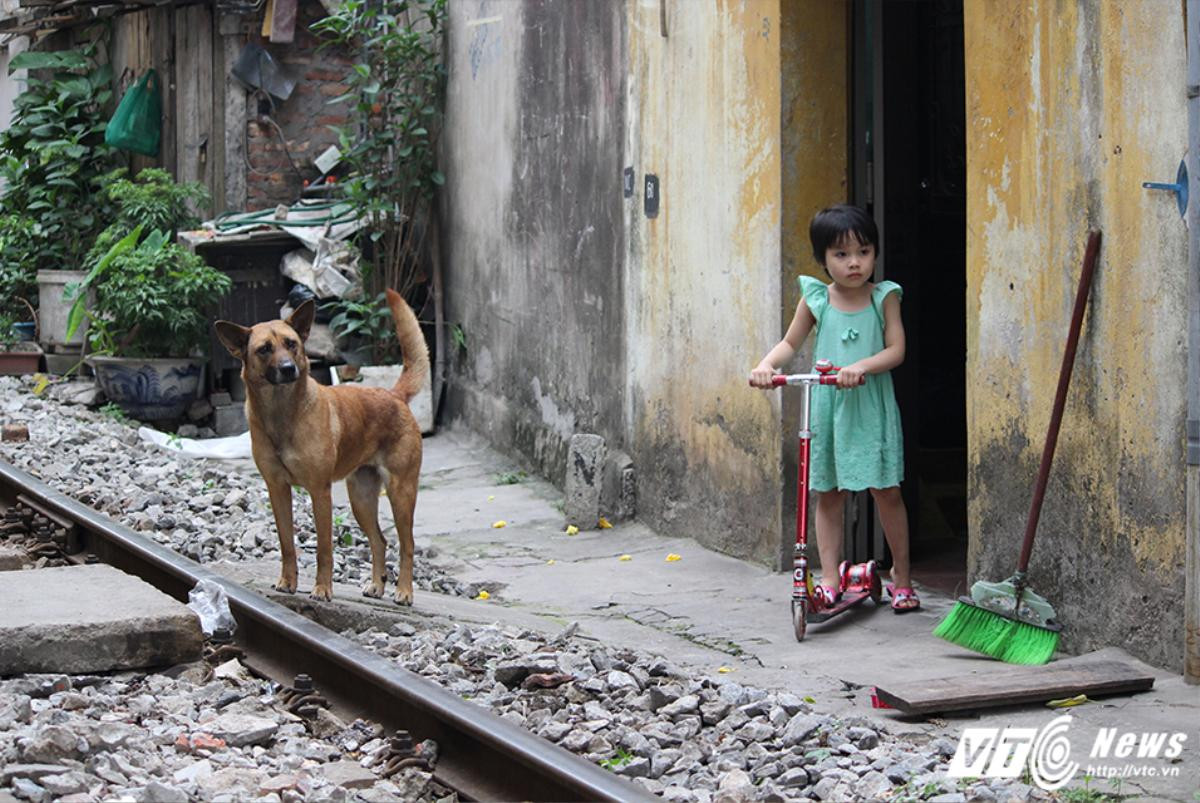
<point x="304" y="117"/>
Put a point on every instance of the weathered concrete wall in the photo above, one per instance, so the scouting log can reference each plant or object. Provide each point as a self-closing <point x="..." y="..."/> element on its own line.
<point x="583" y="315"/>
<point x="1070" y="107"/>
<point x="532" y="145"/>
<point x="704" y="281"/>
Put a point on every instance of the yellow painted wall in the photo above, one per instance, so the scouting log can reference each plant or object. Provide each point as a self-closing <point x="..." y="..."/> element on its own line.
<point x="814" y="57"/>
<point x="1070" y="107"/>
<point x="703" y="281"/>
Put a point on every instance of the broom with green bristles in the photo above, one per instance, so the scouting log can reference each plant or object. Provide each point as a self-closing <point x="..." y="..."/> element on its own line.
<point x="1007" y="620"/>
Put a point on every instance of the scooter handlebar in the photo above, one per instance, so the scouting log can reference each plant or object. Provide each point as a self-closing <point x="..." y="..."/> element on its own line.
<point x="828" y="377"/>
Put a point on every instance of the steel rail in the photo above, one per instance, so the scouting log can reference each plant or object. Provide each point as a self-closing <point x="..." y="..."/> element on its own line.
<point x="481" y="755"/>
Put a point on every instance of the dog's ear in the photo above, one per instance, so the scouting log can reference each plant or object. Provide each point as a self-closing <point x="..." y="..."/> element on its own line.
<point x="301" y="318"/>
<point x="233" y="337"/>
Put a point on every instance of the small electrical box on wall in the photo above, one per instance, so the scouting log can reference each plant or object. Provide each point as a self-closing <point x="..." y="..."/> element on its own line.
<point x="653" y="194"/>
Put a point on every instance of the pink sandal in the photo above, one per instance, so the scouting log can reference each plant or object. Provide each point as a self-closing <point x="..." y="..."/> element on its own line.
<point x="829" y="595"/>
<point x="904" y="600"/>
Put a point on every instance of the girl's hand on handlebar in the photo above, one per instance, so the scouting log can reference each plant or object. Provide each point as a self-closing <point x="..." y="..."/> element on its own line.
<point x="760" y="377"/>
<point x="850" y="377"/>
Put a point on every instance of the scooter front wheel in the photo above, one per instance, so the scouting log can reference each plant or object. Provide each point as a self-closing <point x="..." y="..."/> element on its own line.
<point x="799" y="619"/>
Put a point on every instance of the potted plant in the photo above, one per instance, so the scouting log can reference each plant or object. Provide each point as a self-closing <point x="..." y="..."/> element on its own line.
<point x="18" y="277"/>
<point x="389" y="148"/>
<point x="53" y="161"/>
<point x="366" y="336"/>
<point x="148" y="323"/>
<point x="18" y="355"/>
<point x="364" y="330"/>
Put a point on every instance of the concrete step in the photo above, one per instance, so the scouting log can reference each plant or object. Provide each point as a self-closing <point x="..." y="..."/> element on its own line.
<point x="80" y="619"/>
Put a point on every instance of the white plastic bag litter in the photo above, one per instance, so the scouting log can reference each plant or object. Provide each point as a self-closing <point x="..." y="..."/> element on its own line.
<point x="231" y="448"/>
<point x="209" y="602"/>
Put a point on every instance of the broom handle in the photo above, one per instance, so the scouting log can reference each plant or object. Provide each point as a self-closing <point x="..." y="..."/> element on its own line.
<point x="1060" y="397"/>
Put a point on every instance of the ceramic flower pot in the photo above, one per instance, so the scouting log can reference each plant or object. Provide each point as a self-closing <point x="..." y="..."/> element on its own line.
<point x="21" y="359"/>
<point x="149" y="389"/>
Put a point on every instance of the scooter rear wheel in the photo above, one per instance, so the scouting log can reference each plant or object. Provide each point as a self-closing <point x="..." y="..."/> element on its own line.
<point x="799" y="619"/>
<point x="876" y="584"/>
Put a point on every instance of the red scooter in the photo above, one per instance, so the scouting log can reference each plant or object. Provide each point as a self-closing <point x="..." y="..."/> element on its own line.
<point x="856" y="582"/>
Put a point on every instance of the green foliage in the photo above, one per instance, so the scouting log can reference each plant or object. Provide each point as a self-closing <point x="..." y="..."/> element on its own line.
<point x="18" y="264"/>
<point x="458" y="338"/>
<point x="152" y="298"/>
<point x="113" y="410"/>
<point x="342" y="531"/>
<point x="8" y="338"/>
<point x="369" y="323"/>
<point x="53" y="160"/>
<point x="391" y="144"/>
<point x="510" y="477"/>
<point x="617" y="760"/>
<point x="153" y="200"/>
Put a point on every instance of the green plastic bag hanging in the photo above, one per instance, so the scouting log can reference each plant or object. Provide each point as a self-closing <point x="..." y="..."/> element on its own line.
<point x="136" y="125"/>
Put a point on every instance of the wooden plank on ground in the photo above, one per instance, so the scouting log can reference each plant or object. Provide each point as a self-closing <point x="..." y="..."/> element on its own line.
<point x="1015" y="686"/>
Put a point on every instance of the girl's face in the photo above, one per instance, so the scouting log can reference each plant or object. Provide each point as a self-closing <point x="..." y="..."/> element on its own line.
<point x="850" y="263"/>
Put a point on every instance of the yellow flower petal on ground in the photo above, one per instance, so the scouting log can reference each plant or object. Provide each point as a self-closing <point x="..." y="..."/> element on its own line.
<point x="673" y="557"/>
<point x="491" y="497"/>
<point x="604" y="524"/>
<point x="625" y="557"/>
<point x="498" y="524"/>
<point x="484" y="595"/>
<point x="550" y="562"/>
<point x="809" y="699"/>
<point x="571" y="529"/>
<point x="725" y="670"/>
<point x="41" y="382"/>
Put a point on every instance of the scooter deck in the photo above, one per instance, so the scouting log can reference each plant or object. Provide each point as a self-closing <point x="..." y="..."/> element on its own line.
<point x="849" y="600"/>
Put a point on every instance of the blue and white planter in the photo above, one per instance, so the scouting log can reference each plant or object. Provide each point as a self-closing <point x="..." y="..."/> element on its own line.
<point x="149" y="389"/>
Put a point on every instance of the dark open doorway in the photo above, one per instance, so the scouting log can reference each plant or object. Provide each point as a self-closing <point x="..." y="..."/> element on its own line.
<point x="909" y="159"/>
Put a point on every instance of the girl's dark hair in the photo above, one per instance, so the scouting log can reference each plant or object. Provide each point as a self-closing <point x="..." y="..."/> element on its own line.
<point x="831" y="226"/>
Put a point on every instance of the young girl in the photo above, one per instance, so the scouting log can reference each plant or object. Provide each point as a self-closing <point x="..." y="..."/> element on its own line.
<point x="858" y="442"/>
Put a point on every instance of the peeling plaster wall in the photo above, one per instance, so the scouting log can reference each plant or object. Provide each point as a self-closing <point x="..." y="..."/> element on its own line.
<point x="702" y="299"/>
<point x="1070" y="107"/>
<point x="532" y="148"/>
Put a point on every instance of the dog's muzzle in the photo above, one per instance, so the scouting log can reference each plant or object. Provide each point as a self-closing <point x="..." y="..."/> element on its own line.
<point x="283" y="373"/>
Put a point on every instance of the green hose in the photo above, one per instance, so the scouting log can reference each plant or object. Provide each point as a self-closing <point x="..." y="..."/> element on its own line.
<point x="266" y="217"/>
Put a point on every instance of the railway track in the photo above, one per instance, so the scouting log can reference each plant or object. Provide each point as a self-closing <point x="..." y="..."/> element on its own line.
<point x="481" y="756"/>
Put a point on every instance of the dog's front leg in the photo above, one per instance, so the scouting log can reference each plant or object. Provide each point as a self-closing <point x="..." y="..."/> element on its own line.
<point x="322" y="502"/>
<point x="281" y="506"/>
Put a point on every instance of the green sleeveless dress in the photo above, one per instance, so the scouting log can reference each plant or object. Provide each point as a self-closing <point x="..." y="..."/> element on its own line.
<point x="857" y="441"/>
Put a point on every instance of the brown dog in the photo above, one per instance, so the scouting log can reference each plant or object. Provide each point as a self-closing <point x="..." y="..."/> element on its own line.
<point x="303" y="433"/>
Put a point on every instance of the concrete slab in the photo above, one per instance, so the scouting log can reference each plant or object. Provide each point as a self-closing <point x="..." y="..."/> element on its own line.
<point x="12" y="558"/>
<point x="712" y="612"/>
<point x="78" y="619"/>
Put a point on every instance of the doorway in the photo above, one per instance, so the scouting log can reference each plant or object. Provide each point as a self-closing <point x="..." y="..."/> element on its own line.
<point x="908" y="160"/>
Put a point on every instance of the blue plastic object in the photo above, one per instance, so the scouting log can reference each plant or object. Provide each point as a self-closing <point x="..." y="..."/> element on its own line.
<point x="1180" y="187"/>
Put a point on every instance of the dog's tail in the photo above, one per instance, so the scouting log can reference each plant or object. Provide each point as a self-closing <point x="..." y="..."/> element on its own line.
<point x="412" y="343"/>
